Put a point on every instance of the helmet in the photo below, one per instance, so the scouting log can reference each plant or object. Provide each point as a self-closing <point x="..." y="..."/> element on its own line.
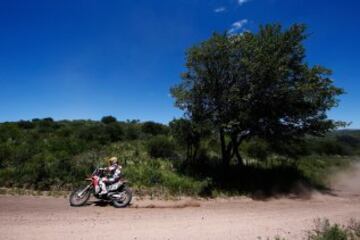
<point x="113" y="160"/>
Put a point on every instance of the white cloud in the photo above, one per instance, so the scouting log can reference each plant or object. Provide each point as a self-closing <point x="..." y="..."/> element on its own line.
<point x="241" y="2"/>
<point x="220" y="9"/>
<point x="237" y="26"/>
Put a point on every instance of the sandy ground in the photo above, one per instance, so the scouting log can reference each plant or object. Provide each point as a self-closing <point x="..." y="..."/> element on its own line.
<point x="28" y="217"/>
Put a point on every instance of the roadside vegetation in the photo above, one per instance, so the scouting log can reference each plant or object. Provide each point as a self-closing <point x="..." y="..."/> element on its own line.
<point x="56" y="155"/>
<point x="324" y="230"/>
<point x="255" y="122"/>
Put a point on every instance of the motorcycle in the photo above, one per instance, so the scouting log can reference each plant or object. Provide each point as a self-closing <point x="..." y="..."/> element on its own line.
<point x="118" y="193"/>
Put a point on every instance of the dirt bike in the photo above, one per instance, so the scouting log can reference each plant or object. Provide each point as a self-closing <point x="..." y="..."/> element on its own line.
<point x="118" y="193"/>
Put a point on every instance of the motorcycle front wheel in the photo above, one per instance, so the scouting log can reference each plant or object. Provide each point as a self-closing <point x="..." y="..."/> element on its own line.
<point x="79" y="196"/>
<point x="122" y="198"/>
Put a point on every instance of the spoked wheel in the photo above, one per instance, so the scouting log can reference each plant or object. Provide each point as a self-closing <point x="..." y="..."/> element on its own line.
<point x="79" y="196"/>
<point x="123" y="198"/>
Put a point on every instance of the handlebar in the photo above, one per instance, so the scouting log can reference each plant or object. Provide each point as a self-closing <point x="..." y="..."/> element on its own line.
<point x="98" y="171"/>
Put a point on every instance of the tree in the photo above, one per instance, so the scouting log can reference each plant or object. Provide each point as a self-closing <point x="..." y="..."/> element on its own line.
<point x="160" y="147"/>
<point x="256" y="85"/>
<point x="108" y="119"/>
<point x="153" y="128"/>
<point x="187" y="135"/>
<point x="25" y="124"/>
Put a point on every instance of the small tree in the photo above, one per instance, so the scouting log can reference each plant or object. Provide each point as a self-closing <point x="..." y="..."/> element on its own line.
<point x="153" y="128"/>
<point x="108" y="119"/>
<point x="186" y="135"/>
<point x="256" y="85"/>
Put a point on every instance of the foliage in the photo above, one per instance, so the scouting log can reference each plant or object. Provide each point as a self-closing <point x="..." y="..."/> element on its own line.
<point x="161" y="147"/>
<point x="187" y="135"/>
<point x="55" y="155"/>
<point x="153" y="128"/>
<point x="256" y="149"/>
<point x="159" y="173"/>
<point x="108" y="119"/>
<point x="324" y="230"/>
<point x="256" y="85"/>
<point x="48" y="155"/>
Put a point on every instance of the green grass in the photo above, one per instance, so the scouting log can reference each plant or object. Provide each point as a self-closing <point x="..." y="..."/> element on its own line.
<point x="317" y="169"/>
<point x="158" y="176"/>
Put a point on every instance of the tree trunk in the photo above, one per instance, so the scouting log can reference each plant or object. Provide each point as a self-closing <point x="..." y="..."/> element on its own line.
<point x="196" y="148"/>
<point x="188" y="150"/>
<point x="225" y="150"/>
<point x="238" y="156"/>
<point x="236" y="144"/>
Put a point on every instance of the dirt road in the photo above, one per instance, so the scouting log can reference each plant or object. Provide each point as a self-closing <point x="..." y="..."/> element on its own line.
<point x="242" y="218"/>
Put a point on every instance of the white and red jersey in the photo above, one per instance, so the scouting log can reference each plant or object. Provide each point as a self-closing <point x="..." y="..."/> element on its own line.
<point x="114" y="170"/>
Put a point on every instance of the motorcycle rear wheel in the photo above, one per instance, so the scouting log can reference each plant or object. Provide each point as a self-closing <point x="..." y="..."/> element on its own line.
<point x="123" y="202"/>
<point x="76" y="200"/>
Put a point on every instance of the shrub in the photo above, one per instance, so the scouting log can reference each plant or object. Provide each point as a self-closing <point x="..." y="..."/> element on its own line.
<point x="25" y="124"/>
<point x="256" y="148"/>
<point x="178" y="184"/>
<point x="114" y="131"/>
<point x="153" y="128"/>
<point x="108" y="119"/>
<point x="7" y="177"/>
<point x="132" y="131"/>
<point x="161" y="147"/>
<point x="326" y="231"/>
<point x="159" y="174"/>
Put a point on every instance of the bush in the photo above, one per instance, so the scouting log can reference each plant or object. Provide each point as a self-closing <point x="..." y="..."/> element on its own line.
<point x="114" y="131"/>
<point x="256" y="148"/>
<point x="153" y="128"/>
<point x="7" y="177"/>
<point x="183" y="185"/>
<point x="108" y="119"/>
<point x="159" y="174"/>
<point x="132" y="131"/>
<point x="161" y="147"/>
<point x="326" y="231"/>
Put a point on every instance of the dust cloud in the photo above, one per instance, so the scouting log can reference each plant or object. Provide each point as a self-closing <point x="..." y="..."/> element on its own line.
<point x="347" y="182"/>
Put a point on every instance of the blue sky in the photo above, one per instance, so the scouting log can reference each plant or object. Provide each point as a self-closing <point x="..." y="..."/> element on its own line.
<point x="86" y="59"/>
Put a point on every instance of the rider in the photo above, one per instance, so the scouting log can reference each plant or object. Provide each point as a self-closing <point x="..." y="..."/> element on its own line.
<point x="114" y="171"/>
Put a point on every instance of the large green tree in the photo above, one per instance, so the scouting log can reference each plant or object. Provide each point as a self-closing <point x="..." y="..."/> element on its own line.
<point x="256" y="85"/>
